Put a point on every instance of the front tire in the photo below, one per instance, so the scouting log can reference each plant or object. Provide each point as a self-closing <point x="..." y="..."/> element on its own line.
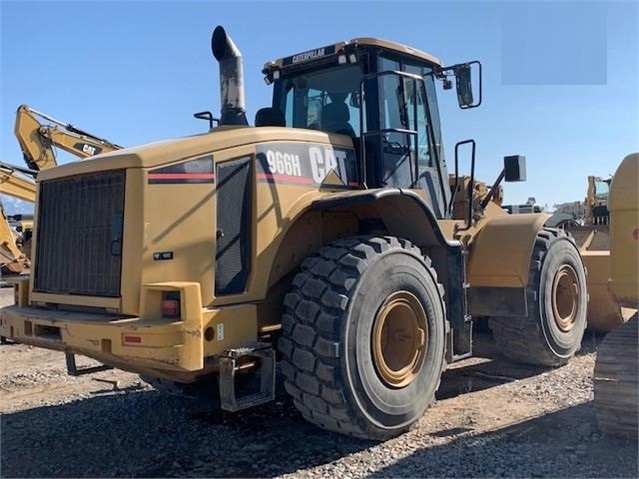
<point x="556" y="295"/>
<point x="363" y="337"/>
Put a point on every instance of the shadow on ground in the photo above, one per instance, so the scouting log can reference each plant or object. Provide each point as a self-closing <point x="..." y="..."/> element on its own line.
<point x="496" y="369"/>
<point x="526" y="449"/>
<point x="146" y="434"/>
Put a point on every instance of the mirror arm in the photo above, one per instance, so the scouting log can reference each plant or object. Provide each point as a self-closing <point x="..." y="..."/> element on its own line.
<point x="493" y="188"/>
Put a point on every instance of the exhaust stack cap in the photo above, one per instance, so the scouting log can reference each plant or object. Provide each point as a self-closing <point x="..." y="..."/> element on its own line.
<point x="231" y="78"/>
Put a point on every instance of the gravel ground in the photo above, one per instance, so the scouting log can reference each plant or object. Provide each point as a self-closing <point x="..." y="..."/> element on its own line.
<point x="493" y="418"/>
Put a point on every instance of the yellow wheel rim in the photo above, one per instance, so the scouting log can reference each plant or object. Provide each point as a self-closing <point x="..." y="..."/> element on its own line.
<point x="400" y="337"/>
<point x="565" y="298"/>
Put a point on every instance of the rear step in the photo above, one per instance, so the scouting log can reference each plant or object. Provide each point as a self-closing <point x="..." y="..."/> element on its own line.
<point x="266" y="371"/>
<point x="73" y="370"/>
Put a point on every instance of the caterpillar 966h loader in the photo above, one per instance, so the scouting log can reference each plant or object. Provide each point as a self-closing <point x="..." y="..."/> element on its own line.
<point x="616" y="375"/>
<point x="325" y="236"/>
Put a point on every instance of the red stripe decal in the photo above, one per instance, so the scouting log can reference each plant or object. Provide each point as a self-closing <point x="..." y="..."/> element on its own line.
<point x="181" y="176"/>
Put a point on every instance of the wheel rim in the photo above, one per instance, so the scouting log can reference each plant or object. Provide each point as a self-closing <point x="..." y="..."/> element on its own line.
<point x="400" y="334"/>
<point x="565" y="298"/>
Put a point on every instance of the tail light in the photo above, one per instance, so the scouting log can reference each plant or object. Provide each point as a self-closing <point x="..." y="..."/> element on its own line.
<point x="171" y="305"/>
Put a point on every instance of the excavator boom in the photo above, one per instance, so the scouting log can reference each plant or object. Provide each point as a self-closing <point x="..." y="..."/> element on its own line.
<point x="37" y="140"/>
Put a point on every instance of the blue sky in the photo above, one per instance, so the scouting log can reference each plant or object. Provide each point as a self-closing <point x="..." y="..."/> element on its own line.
<point x="560" y="78"/>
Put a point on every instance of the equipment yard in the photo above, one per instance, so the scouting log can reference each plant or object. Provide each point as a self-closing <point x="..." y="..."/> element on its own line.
<point x="308" y="285"/>
<point x="492" y="418"/>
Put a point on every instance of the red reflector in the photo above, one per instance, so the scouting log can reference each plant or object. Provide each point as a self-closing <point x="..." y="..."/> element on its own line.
<point x="170" y="308"/>
<point x="132" y="339"/>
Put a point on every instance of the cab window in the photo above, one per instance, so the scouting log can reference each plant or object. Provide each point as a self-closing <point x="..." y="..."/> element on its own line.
<point x="326" y="99"/>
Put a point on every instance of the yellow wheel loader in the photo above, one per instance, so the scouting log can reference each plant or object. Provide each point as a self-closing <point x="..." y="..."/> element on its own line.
<point x="616" y="374"/>
<point x="327" y="236"/>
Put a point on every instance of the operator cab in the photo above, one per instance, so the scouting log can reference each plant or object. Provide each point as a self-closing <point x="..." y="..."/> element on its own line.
<point x="379" y="93"/>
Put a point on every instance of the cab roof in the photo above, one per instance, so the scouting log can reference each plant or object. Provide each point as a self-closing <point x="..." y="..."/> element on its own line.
<point x="336" y="48"/>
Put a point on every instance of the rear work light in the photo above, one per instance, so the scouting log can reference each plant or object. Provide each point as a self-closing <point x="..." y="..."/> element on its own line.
<point x="171" y="304"/>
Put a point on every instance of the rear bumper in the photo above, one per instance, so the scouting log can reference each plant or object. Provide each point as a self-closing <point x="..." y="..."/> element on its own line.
<point x="132" y="342"/>
<point x="148" y="344"/>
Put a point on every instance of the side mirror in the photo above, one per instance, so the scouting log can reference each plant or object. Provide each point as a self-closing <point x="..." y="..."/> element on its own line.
<point x="514" y="168"/>
<point x="463" y="77"/>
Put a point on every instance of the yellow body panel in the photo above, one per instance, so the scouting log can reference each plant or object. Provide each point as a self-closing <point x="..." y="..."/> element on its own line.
<point x="624" y="231"/>
<point x="500" y="251"/>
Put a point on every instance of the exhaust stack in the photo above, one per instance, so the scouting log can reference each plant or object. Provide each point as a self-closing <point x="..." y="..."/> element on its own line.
<point x="231" y="78"/>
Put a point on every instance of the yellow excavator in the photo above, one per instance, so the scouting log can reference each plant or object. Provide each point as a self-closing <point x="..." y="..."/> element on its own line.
<point x="14" y="255"/>
<point x="38" y="141"/>
<point x="616" y="374"/>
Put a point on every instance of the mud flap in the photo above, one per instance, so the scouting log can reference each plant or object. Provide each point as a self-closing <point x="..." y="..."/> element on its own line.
<point x="228" y="367"/>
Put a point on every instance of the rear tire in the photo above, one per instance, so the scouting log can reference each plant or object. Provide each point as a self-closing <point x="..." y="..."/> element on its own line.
<point x="615" y="382"/>
<point x="557" y="304"/>
<point x="363" y="337"/>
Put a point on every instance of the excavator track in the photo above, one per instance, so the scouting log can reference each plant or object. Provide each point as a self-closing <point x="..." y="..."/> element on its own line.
<point x="616" y="381"/>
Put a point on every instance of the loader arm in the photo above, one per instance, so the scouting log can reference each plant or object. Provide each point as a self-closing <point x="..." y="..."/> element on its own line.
<point x="37" y="140"/>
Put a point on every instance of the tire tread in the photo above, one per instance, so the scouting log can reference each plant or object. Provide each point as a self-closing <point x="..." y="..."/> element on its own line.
<point x="326" y="278"/>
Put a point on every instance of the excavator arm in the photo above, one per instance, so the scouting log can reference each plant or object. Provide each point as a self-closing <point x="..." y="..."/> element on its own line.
<point x="15" y="185"/>
<point x="12" y="258"/>
<point x="14" y="254"/>
<point x="37" y="140"/>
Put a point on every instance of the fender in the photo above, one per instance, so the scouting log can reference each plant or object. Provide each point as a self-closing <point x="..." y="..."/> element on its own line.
<point x="499" y="264"/>
<point x="405" y="214"/>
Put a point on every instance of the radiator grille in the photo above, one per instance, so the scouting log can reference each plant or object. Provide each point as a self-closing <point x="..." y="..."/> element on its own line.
<point x="79" y="242"/>
<point x="232" y="261"/>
